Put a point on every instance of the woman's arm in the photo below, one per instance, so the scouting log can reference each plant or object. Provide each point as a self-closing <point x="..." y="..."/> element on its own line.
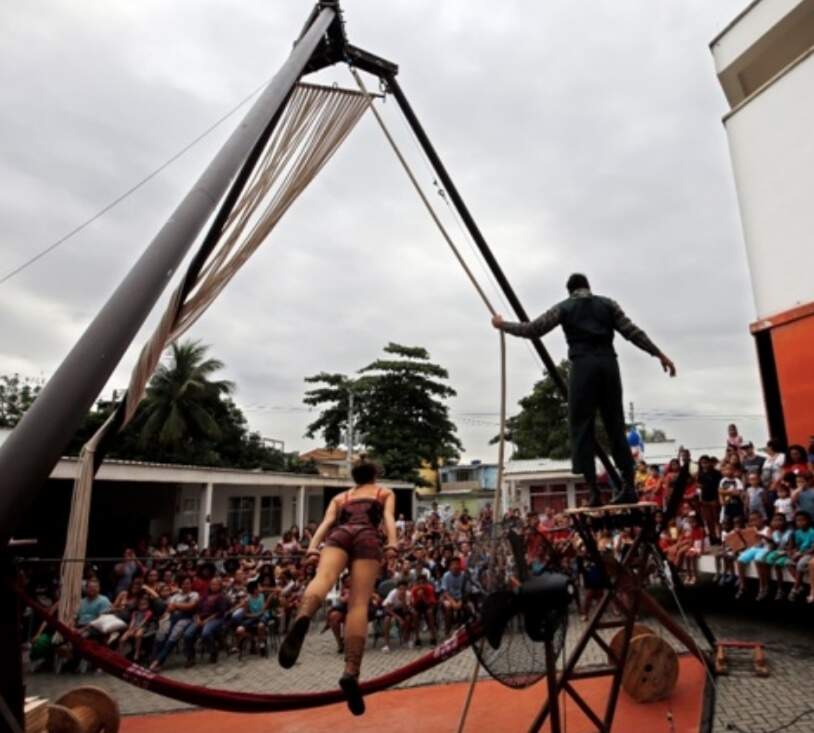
<point x="327" y="522"/>
<point x="390" y="519"/>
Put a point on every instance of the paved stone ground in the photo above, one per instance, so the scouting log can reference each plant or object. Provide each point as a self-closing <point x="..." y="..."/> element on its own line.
<point x="754" y="704"/>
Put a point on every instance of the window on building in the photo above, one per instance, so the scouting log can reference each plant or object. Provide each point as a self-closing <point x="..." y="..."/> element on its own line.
<point x="463" y="474"/>
<point x="271" y="516"/>
<point x="190" y="511"/>
<point x="240" y="515"/>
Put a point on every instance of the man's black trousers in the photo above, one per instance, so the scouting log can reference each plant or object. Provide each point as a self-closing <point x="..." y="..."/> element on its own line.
<point x="596" y="387"/>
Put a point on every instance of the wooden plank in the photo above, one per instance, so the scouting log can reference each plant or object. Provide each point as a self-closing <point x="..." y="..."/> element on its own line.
<point x="614" y="508"/>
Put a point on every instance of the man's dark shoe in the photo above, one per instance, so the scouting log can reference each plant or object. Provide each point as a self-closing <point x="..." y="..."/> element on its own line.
<point x="627" y="495"/>
<point x="595" y="498"/>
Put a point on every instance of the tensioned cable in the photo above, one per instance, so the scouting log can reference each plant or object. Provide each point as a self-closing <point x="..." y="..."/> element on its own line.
<point x="135" y="187"/>
<point x="475" y="284"/>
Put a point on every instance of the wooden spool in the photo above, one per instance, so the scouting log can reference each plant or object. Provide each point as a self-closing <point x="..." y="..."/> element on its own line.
<point x="616" y="642"/>
<point x="651" y="670"/>
<point x="84" y="710"/>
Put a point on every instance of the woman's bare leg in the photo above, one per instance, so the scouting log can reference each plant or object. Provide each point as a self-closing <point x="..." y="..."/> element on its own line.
<point x="363" y="574"/>
<point x="332" y="561"/>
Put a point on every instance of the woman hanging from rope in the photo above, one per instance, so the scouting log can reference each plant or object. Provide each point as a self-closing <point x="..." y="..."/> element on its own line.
<point x="350" y="529"/>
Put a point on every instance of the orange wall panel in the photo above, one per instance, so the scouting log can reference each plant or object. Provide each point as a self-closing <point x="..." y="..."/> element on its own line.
<point x="793" y="344"/>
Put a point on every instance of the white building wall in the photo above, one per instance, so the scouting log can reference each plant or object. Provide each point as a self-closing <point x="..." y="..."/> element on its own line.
<point x="771" y="140"/>
<point x="748" y="28"/>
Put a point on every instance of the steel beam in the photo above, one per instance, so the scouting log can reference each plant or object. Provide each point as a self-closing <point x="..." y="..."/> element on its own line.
<point x="33" y="448"/>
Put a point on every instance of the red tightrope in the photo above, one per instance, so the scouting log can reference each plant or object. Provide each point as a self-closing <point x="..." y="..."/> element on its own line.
<point x="235" y="701"/>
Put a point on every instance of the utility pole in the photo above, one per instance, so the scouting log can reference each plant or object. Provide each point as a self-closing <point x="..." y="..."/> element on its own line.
<point x="632" y="415"/>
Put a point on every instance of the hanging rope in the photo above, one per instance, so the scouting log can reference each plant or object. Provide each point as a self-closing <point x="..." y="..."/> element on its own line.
<point x="496" y="503"/>
<point x="313" y="125"/>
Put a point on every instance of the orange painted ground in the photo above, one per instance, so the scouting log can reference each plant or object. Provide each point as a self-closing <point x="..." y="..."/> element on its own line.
<point x="495" y="708"/>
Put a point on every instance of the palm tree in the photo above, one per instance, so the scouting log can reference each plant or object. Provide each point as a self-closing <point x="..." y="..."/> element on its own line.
<point x="180" y="398"/>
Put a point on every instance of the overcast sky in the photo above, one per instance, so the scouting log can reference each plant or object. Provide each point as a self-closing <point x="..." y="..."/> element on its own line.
<point x="584" y="136"/>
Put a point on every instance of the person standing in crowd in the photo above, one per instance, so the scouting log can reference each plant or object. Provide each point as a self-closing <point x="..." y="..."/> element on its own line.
<point x="751" y="461"/>
<point x="589" y="322"/>
<point x="757" y="499"/>
<point x="709" y="481"/>
<point x="796" y="460"/>
<point x="734" y="441"/>
<point x="424" y="603"/>
<point x="773" y="466"/>
<point x="731" y="493"/>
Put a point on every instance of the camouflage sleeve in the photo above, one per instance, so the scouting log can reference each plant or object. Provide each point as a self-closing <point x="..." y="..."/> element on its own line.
<point x="538" y="327"/>
<point x="631" y="331"/>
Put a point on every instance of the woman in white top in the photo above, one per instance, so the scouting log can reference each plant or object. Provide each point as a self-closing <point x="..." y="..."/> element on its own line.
<point x="773" y="467"/>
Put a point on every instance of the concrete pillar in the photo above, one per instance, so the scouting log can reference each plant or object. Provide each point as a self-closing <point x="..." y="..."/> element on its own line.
<point x="301" y="508"/>
<point x="256" y="516"/>
<point x="206" y="515"/>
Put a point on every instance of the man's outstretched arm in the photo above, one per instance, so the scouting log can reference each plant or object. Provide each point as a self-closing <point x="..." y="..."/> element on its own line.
<point x="530" y="329"/>
<point x="637" y="337"/>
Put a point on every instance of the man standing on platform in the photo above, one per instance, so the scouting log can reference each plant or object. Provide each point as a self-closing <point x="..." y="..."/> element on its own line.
<point x="589" y="322"/>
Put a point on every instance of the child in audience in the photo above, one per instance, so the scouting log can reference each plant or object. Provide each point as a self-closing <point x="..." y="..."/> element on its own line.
<point x="697" y="537"/>
<point x="756" y="497"/>
<point x="139" y="621"/>
<point x="802" y="549"/>
<point x="755" y="553"/>
<point x="783" y="503"/>
<point x="778" y="545"/>
<point x="731" y="493"/>
<point x="726" y="558"/>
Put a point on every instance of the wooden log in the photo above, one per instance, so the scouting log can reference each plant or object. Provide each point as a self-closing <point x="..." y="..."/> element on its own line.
<point x="84" y="710"/>
<point x="619" y="636"/>
<point x="36" y="714"/>
<point x="651" y="670"/>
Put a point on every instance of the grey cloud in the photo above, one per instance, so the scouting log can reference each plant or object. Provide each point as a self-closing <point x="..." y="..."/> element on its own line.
<point x="583" y="136"/>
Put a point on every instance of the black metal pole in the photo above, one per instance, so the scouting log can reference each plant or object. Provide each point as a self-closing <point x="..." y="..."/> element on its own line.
<point x="33" y="448"/>
<point x="553" y="688"/>
<point x="485" y="250"/>
<point x="12" y="688"/>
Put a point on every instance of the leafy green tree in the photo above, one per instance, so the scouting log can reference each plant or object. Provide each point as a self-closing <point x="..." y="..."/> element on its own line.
<point x="177" y="406"/>
<point x="17" y="394"/>
<point x="189" y="417"/>
<point x="540" y="429"/>
<point x="400" y="415"/>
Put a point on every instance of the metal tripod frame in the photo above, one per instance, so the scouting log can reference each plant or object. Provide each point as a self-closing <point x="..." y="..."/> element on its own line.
<point x="625" y="592"/>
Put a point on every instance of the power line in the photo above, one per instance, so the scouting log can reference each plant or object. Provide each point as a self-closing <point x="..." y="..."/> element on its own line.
<point x="51" y="247"/>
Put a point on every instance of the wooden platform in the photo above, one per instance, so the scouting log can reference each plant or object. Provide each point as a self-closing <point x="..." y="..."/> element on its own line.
<point x="437" y="708"/>
<point x="614" y="508"/>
